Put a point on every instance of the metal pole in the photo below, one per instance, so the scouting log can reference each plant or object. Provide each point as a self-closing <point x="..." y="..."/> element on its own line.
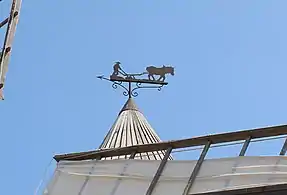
<point x="159" y="172"/>
<point x="132" y="156"/>
<point x="284" y="149"/>
<point x="242" y="153"/>
<point x="245" y="146"/>
<point x="130" y="89"/>
<point x="196" y="168"/>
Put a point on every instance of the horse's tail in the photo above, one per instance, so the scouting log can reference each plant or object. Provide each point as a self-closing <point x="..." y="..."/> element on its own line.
<point x="148" y="69"/>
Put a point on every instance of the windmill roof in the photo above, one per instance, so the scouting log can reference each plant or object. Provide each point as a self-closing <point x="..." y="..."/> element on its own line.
<point x="129" y="105"/>
<point x="132" y="128"/>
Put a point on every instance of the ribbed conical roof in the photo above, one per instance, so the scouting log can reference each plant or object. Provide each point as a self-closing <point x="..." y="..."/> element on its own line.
<point x="131" y="128"/>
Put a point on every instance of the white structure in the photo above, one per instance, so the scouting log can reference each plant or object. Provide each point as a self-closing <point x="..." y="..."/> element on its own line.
<point x="133" y="161"/>
<point x="131" y="177"/>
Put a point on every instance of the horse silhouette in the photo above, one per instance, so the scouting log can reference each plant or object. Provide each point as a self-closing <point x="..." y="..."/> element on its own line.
<point x="152" y="70"/>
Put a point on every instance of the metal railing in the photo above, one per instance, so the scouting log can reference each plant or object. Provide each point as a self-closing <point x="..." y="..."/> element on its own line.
<point x="207" y="141"/>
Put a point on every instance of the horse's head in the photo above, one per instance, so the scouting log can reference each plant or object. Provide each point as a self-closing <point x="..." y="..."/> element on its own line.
<point x="170" y="70"/>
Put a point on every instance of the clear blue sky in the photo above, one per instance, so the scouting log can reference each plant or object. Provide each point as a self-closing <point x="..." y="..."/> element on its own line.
<point x="230" y="59"/>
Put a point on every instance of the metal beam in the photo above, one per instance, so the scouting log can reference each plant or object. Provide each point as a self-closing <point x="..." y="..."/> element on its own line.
<point x="197" y="141"/>
<point x="284" y="148"/>
<point x="245" y="146"/>
<point x="196" y="168"/>
<point x="159" y="172"/>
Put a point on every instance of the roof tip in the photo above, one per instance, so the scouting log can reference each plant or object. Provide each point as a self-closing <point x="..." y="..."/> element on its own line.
<point x="129" y="105"/>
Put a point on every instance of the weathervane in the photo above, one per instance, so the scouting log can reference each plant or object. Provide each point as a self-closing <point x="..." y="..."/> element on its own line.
<point x="119" y="77"/>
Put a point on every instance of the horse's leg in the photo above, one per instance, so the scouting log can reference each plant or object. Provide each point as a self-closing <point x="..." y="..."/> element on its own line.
<point x="161" y="77"/>
<point x="152" y="77"/>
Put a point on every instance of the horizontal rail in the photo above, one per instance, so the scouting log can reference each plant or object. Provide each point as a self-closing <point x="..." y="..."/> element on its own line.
<point x="191" y="142"/>
<point x="139" y="81"/>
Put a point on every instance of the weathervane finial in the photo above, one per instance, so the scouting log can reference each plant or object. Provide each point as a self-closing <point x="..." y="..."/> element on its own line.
<point x="119" y="77"/>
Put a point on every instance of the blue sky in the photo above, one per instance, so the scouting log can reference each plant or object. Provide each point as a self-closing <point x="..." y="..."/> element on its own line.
<point x="230" y="59"/>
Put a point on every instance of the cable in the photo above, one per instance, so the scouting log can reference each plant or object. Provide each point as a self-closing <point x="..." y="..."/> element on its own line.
<point x="43" y="178"/>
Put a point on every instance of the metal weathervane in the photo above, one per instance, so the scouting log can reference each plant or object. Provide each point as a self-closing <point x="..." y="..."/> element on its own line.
<point x="132" y="82"/>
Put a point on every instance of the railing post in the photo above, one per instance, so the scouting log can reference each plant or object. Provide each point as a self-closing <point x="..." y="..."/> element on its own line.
<point x="245" y="146"/>
<point x="196" y="168"/>
<point x="284" y="149"/>
<point x="159" y="171"/>
<point x="242" y="153"/>
<point x="133" y="154"/>
<point x="99" y="158"/>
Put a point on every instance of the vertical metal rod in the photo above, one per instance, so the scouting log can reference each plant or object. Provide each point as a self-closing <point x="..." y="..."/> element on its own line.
<point x="196" y="168"/>
<point x="132" y="156"/>
<point x="99" y="158"/>
<point x="245" y="146"/>
<point x="242" y="153"/>
<point x="159" y="172"/>
<point x="130" y="89"/>
<point x="284" y="149"/>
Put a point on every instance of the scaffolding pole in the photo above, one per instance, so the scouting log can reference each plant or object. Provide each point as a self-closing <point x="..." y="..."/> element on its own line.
<point x="11" y="22"/>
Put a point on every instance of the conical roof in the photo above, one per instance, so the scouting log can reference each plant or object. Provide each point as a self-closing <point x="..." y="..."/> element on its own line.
<point x="132" y="128"/>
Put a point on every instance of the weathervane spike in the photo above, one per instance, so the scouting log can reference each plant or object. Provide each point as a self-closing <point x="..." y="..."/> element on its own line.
<point x="119" y="77"/>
